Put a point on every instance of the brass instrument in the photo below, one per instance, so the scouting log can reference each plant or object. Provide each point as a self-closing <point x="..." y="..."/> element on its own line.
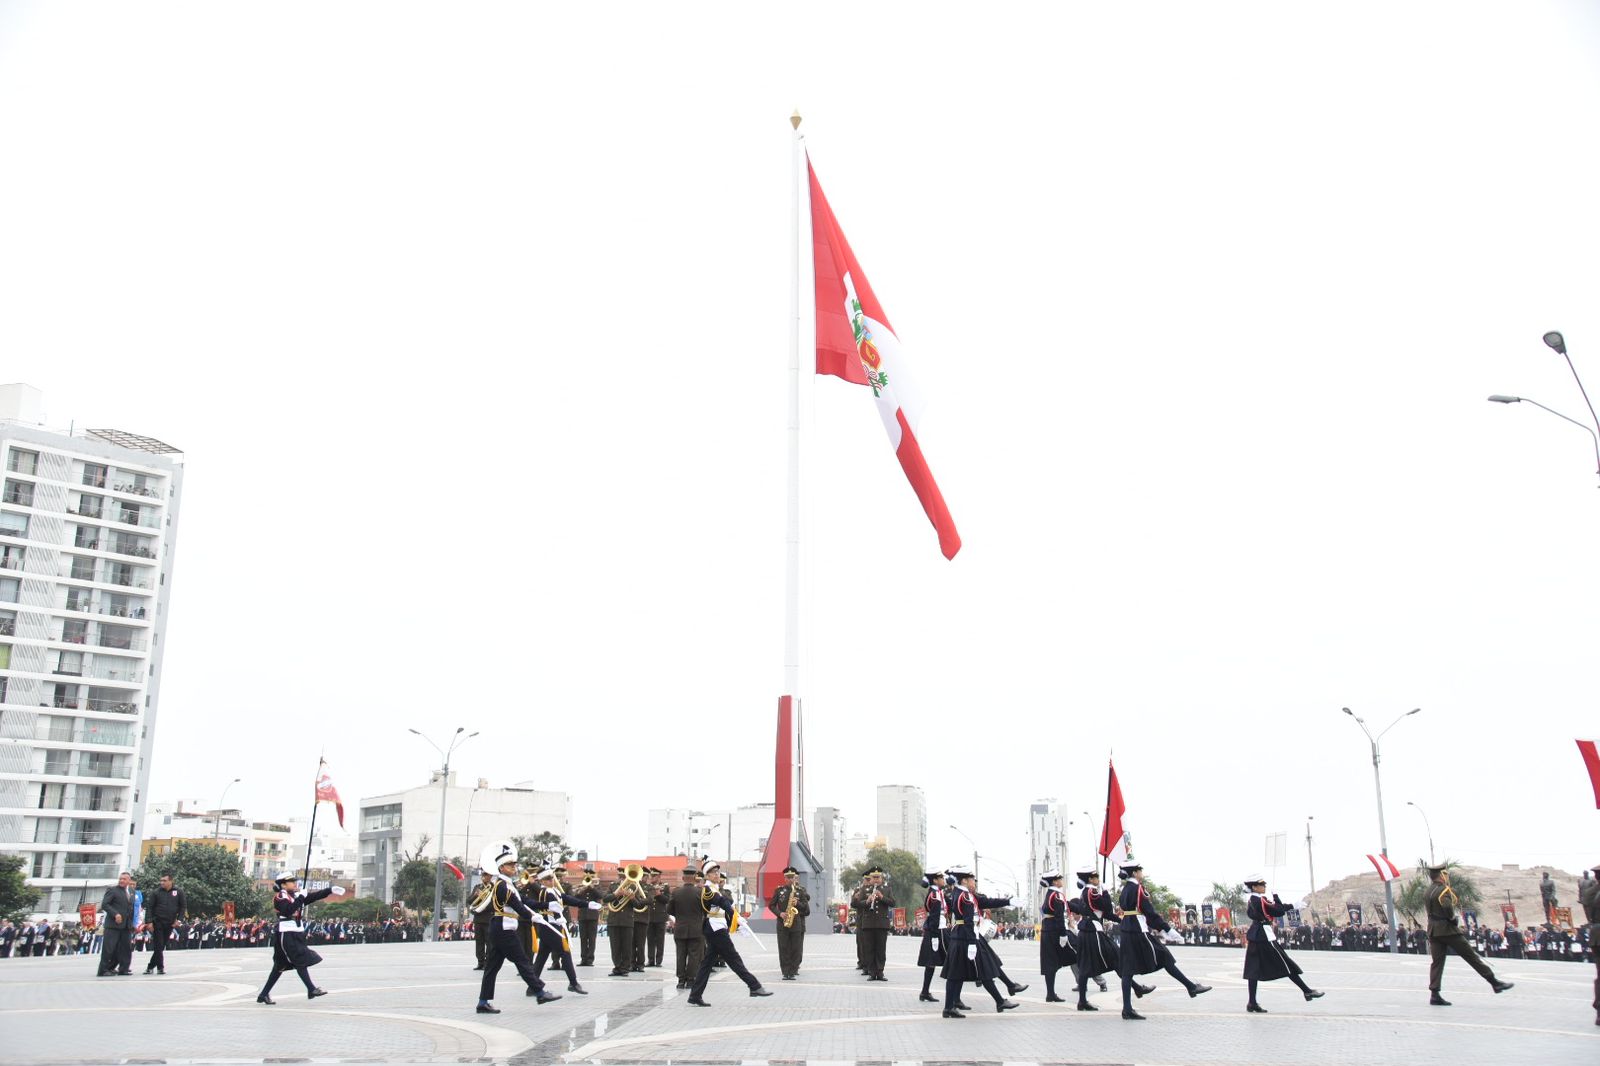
<point x="793" y="908"/>
<point x="629" y="888"/>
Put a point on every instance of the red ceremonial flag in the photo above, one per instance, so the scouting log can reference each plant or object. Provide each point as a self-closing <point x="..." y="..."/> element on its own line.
<point x="453" y="868"/>
<point x="1387" y="871"/>
<point x="1111" y="833"/>
<point x="326" y="793"/>
<point x="855" y="342"/>
<point x="1592" y="761"/>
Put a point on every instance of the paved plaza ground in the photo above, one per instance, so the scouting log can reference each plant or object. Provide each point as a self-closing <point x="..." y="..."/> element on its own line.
<point x="413" y="1003"/>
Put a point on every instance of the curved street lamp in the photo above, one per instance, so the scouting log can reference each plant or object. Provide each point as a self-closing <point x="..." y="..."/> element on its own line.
<point x="1426" y="826"/>
<point x="974" y="844"/>
<point x="1383" y="835"/>
<point x="216" y="823"/>
<point x="456" y="740"/>
<point x="1498" y="398"/>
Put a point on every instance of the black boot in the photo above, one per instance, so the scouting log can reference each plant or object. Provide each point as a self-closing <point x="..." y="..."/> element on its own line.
<point x="1436" y="1000"/>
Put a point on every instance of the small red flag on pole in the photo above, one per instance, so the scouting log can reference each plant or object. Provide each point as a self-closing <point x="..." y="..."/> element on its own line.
<point x="453" y="868"/>
<point x="1591" y="759"/>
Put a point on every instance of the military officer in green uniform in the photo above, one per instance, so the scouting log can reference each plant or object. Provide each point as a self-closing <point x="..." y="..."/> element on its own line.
<point x="1589" y="897"/>
<point x="791" y="927"/>
<point x="588" y="918"/>
<point x="1445" y="936"/>
<point x="874" y="907"/>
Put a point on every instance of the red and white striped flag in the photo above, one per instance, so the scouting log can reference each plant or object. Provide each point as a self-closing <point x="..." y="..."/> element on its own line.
<point x="1591" y="759"/>
<point x="1387" y="871"/>
<point x="326" y="793"/>
<point x="855" y="342"/>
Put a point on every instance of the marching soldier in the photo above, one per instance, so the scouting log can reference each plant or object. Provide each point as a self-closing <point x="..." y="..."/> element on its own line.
<point x="1057" y="941"/>
<point x="1264" y="957"/>
<point x="619" y="923"/>
<point x="719" y="921"/>
<point x="1097" y="953"/>
<point x="1141" y="953"/>
<point x="687" y="937"/>
<point x="641" y="921"/>
<point x="480" y="931"/>
<point x="874" y="905"/>
<point x="790" y="903"/>
<point x="550" y="912"/>
<point x="965" y="957"/>
<point x="501" y="908"/>
<point x="1444" y="936"/>
<point x="289" y="948"/>
<point x="588" y="917"/>
<point x="1589" y="898"/>
<point x="660" y="903"/>
<point x="931" y="954"/>
<point x="861" y="941"/>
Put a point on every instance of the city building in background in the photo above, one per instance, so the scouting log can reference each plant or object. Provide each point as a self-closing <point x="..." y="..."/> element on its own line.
<point x="720" y="834"/>
<point x="394" y="827"/>
<point x="88" y="522"/>
<point x="262" y="846"/>
<point x="903" y="819"/>
<point x="334" y="851"/>
<point x="1047" y="843"/>
<point x="827" y="844"/>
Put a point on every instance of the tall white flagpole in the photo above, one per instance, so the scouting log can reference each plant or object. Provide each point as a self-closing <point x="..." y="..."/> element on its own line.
<point x="791" y="633"/>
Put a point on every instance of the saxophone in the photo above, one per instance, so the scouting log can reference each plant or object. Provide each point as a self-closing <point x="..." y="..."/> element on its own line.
<point x="792" y="909"/>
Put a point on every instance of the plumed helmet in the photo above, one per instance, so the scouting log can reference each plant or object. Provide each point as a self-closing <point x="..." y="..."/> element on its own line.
<point x="500" y="851"/>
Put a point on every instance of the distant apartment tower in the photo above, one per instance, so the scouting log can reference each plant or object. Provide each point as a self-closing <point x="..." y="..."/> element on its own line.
<point x="87" y="532"/>
<point x="903" y="819"/>
<point x="723" y="835"/>
<point x="1047" y="843"/>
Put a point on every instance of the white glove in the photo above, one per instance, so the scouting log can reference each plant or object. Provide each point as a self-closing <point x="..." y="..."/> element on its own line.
<point x="1063" y="941"/>
<point x="594" y="906"/>
<point x="972" y="951"/>
<point x="338" y="890"/>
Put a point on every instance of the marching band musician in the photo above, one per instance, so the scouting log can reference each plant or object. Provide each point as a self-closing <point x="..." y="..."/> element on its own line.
<point x="720" y="919"/>
<point x="1058" y="945"/>
<point x="619" y="923"/>
<point x="861" y="941"/>
<point x="1140" y="952"/>
<point x="480" y="933"/>
<point x="1264" y="957"/>
<point x="660" y="904"/>
<point x="550" y="905"/>
<point x="1097" y="952"/>
<point x="641" y="921"/>
<point x="968" y="956"/>
<point x="501" y="908"/>
<point x="588" y="917"/>
<point x="791" y="928"/>
<point x="687" y="920"/>
<point x="935" y="929"/>
<point x="289" y="948"/>
<point x="874" y="905"/>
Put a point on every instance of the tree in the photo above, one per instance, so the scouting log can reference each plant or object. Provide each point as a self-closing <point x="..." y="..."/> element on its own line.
<point x="17" y="897"/>
<point x="1411" y="900"/>
<point x="209" y="876"/>
<point x="1229" y="896"/>
<point x="905" y="876"/>
<point x="546" y="849"/>
<point x="413" y="884"/>
<point x="1162" y="898"/>
<point x="360" y="909"/>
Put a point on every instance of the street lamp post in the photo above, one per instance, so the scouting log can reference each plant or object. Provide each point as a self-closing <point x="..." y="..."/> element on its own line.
<point x="1426" y="826"/>
<point x="456" y="740"/>
<point x="1498" y="398"/>
<point x="466" y="844"/>
<point x="974" y="844"/>
<point x="216" y="823"/>
<point x="1383" y="834"/>
<point x="1095" y="830"/>
<point x="1311" y="868"/>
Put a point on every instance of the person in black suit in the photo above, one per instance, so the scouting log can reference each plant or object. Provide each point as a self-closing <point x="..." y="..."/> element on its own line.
<point x="116" y="950"/>
<point x="720" y="919"/>
<point x="1139" y="952"/>
<point x="1264" y="957"/>
<point x="166" y="907"/>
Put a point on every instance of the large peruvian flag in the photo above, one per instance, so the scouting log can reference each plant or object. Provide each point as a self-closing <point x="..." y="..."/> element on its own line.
<point x="855" y="342"/>
<point x="1387" y="871"/>
<point x="1591" y="759"/>
<point x="1113" y="837"/>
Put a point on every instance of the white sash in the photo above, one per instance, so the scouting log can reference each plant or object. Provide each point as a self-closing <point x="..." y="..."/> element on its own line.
<point x="717" y="922"/>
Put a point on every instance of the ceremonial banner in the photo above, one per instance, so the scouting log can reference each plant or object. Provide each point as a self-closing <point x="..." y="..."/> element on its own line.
<point x="1353" y="912"/>
<point x="326" y="793"/>
<point x="1224" y="918"/>
<point x="1508" y="914"/>
<point x="921" y="917"/>
<point x="1561" y="917"/>
<point x="227" y="905"/>
<point x="1208" y="914"/>
<point x="844" y="914"/>
<point x="86" y="916"/>
<point x="1174" y="915"/>
<point x="1190" y="916"/>
<point x="899" y="917"/>
<point x="855" y="342"/>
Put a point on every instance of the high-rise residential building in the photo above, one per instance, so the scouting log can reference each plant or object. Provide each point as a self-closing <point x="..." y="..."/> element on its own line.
<point x="903" y="818"/>
<point x="1047" y="842"/>
<point x="88" y="522"/>
<point x="725" y="835"/>
<point x="395" y="826"/>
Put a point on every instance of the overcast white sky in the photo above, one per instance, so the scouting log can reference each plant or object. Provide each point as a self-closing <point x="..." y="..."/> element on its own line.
<point x="472" y="323"/>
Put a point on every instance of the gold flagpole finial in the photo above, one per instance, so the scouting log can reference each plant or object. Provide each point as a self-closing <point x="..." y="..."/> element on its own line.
<point x="794" y="120"/>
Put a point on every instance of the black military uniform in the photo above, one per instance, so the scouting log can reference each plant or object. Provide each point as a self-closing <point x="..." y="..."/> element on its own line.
<point x="1140" y="952"/>
<point x="502" y="908"/>
<point x="619" y="925"/>
<point x="1445" y="936"/>
<point x="660" y="903"/>
<point x="165" y="907"/>
<point x="289" y="948"/>
<point x="1589" y="899"/>
<point x="791" y="934"/>
<point x="1058" y="941"/>
<point x="874" y="907"/>
<point x="1264" y="957"/>
<point x="719" y="921"/>
<point x="1097" y="952"/>
<point x="550" y="905"/>
<point x="935" y="931"/>
<point x="480" y="921"/>
<point x="642" y="906"/>
<point x="588" y="917"/>
<point x="965" y="957"/>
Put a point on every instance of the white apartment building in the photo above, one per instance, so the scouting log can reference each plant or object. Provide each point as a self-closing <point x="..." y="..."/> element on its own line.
<point x="87" y="532"/>
<point x="1047" y="843"/>
<point x="724" y="835"/>
<point x="903" y="819"/>
<point x="393" y="826"/>
<point x="333" y="849"/>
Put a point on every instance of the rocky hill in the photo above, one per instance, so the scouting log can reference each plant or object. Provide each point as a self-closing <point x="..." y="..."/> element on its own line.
<point x="1495" y="884"/>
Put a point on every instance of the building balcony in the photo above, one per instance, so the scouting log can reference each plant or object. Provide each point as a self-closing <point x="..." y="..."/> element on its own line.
<point x="121" y="611"/>
<point x="11" y="562"/>
<point x="94" y="838"/>
<point x="83" y="871"/>
<point x="138" y="551"/>
<point x="110" y="738"/>
<point x="111" y="706"/>
<point x="120" y="642"/>
<point x="139" y="518"/>
<point x="103" y="771"/>
<point x="23" y="463"/>
<point x="82" y="511"/>
<point x="136" y="490"/>
<point x="8" y="627"/>
<point x="21" y="495"/>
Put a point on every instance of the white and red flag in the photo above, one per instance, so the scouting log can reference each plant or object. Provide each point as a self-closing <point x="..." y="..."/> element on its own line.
<point x="855" y="342"/>
<point x="1113" y="837"/>
<point x="1387" y="871"/>
<point x="1591" y="759"/>
<point x="326" y="793"/>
